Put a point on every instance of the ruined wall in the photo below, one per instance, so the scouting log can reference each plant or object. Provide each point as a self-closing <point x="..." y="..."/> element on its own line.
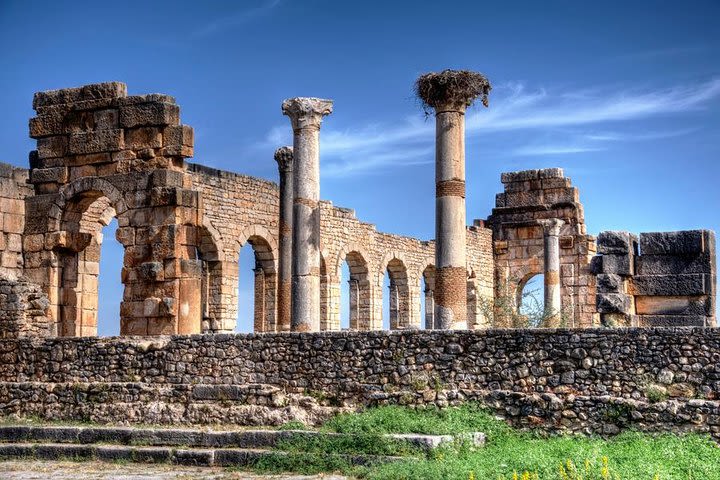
<point x="592" y="380"/>
<point x="530" y="196"/>
<point x="102" y="154"/>
<point x="13" y="191"/>
<point x="239" y="209"/>
<point x="662" y="279"/>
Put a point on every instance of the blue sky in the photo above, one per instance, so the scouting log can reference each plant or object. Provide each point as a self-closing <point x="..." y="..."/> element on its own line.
<point x="623" y="95"/>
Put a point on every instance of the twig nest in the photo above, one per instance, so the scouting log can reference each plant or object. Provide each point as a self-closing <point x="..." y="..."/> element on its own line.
<point x="452" y="88"/>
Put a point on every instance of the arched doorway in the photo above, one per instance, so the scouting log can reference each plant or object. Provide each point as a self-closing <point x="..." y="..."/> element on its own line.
<point x="78" y="253"/>
<point x="530" y="302"/>
<point x="355" y="281"/>
<point x="398" y="289"/>
<point x="428" y="303"/>
<point x="256" y="286"/>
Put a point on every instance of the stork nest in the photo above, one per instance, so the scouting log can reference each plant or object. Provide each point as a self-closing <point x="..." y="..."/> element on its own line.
<point x="452" y="87"/>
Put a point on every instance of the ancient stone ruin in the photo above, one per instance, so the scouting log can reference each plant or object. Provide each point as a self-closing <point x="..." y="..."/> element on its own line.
<point x="102" y="154"/>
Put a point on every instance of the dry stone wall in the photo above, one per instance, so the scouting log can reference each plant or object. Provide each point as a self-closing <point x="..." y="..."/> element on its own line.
<point x="592" y="380"/>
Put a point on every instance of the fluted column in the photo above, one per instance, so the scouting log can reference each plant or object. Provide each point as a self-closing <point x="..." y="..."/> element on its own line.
<point x="306" y="116"/>
<point x="284" y="158"/>
<point x="449" y="93"/>
<point x="553" y="302"/>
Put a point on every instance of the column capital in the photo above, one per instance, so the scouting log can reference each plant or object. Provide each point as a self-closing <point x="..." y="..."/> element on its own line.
<point x="284" y="158"/>
<point x="452" y="90"/>
<point x="306" y="112"/>
<point x="551" y="226"/>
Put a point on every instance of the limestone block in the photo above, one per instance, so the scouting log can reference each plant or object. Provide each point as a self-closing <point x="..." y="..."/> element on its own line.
<point x="181" y="135"/>
<point x="143" y="138"/>
<point x="687" y="242"/>
<point x="43" y="175"/>
<point x="106" y="119"/>
<point x="95" y="91"/>
<point x="616" y="242"/>
<point x="652" y="305"/>
<point x="610" y="283"/>
<point x="90" y="159"/>
<point x="97" y="141"/>
<point x="673" y="321"/>
<point x="151" y="271"/>
<point x="673" y="264"/>
<point x="617" y="264"/>
<point x="149" y="114"/>
<point x="167" y="178"/>
<point x="670" y="285"/>
<point x="46" y="125"/>
<point x="613" y="303"/>
<point x="52" y="147"/>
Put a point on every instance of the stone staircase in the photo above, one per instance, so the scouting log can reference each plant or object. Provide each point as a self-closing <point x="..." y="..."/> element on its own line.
<point x="188" y="446"/>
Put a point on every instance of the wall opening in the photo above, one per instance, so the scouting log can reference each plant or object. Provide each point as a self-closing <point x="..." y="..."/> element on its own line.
<point x="110" y="287"/>
<point x="355" y="292"/>
<point x="398" y="296"/>
<point x="531" y="301"/>
<point x="79" y="264"/>
<point x="427" y="319"/>
<point x="256" y="287"/>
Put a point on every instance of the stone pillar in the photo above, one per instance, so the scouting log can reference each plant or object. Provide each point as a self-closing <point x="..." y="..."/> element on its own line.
<point x="449" y="93"/>
<point x="306" y="116"/>
<point x="553" y="304"/>
<point x="284" y="158"/>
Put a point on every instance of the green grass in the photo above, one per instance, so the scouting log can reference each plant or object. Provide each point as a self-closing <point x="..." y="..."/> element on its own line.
<point x="629" y="456"/>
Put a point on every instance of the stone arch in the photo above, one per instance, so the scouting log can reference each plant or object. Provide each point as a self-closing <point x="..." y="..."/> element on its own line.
<point x="533" y="300"/>
<point x="265" y="249"/>
<point x="84" y="186"/>
<point x="211" y="254"/>
<point x="81" y="210"/>
<point x="428" y="275"/>
<point x="360" y="289"/>
<point x="329" y="296"/>
<point x="399" y="291"/>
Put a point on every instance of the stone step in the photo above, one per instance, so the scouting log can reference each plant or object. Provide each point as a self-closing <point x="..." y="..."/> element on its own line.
<point x="197" y="438"/>
<point x="204" y="457"/>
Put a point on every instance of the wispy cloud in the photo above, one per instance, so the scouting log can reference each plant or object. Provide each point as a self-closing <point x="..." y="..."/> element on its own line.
<point x="235" y="19"/>
<point x="513" y="108"/>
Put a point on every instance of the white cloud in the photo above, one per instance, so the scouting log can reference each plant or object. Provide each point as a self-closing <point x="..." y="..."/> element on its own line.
<point x="512" y="108"/>
<point x="235" y="19"/>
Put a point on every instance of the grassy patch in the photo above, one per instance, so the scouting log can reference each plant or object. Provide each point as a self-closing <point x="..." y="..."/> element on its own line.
<point x="508" y="455"/>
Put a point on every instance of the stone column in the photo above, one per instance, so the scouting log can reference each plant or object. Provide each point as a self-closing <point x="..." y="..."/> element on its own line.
<point x="306" y="116"/>
<point x="553" y="303"/>
<point x="449" y="93"/>
<point x="284" y="158"/>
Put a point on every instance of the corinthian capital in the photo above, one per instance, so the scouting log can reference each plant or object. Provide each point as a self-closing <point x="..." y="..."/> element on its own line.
<point x="306" y="112"/>
<point x="284" y="158"/>
<point x="551" y="226"/>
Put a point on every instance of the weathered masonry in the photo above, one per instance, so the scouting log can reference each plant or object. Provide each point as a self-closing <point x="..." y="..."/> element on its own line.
<point x="102" y="154"/>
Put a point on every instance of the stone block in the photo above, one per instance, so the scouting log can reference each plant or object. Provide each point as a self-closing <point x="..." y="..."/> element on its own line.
<point x="89" y="159"/>
<point x="688" y="242"/>
<point x="521" y="176"/>
<point x="46" y="125"/>
<point x="106" y="119"/>
<point x="97" y="141"/>
<point x="167" y="178"/>
<point x="673" y="321"/>
<point x="613" y="303"/>
<point x="52" y="147"/>
<point x="669" y="285"/>
<point x="673" y="264"/>
<point x="143" y="138"/>
<point x="44" y="175"/>
<point x="87" y="92"/>
<point x="149" y="114"/>
<point x="651" y="305"/>
<point x="617" y="264"/>
<point x="181" y="135"/>
<point x="616" y="242"/>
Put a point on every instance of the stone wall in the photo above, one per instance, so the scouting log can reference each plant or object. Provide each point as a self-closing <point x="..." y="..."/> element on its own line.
<point x="530" y="196"/>
<point x="23" y="307"/>
<point x="593" y="379"/>
<point x="660" y="279"/>
<point x="238" y="209"/>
